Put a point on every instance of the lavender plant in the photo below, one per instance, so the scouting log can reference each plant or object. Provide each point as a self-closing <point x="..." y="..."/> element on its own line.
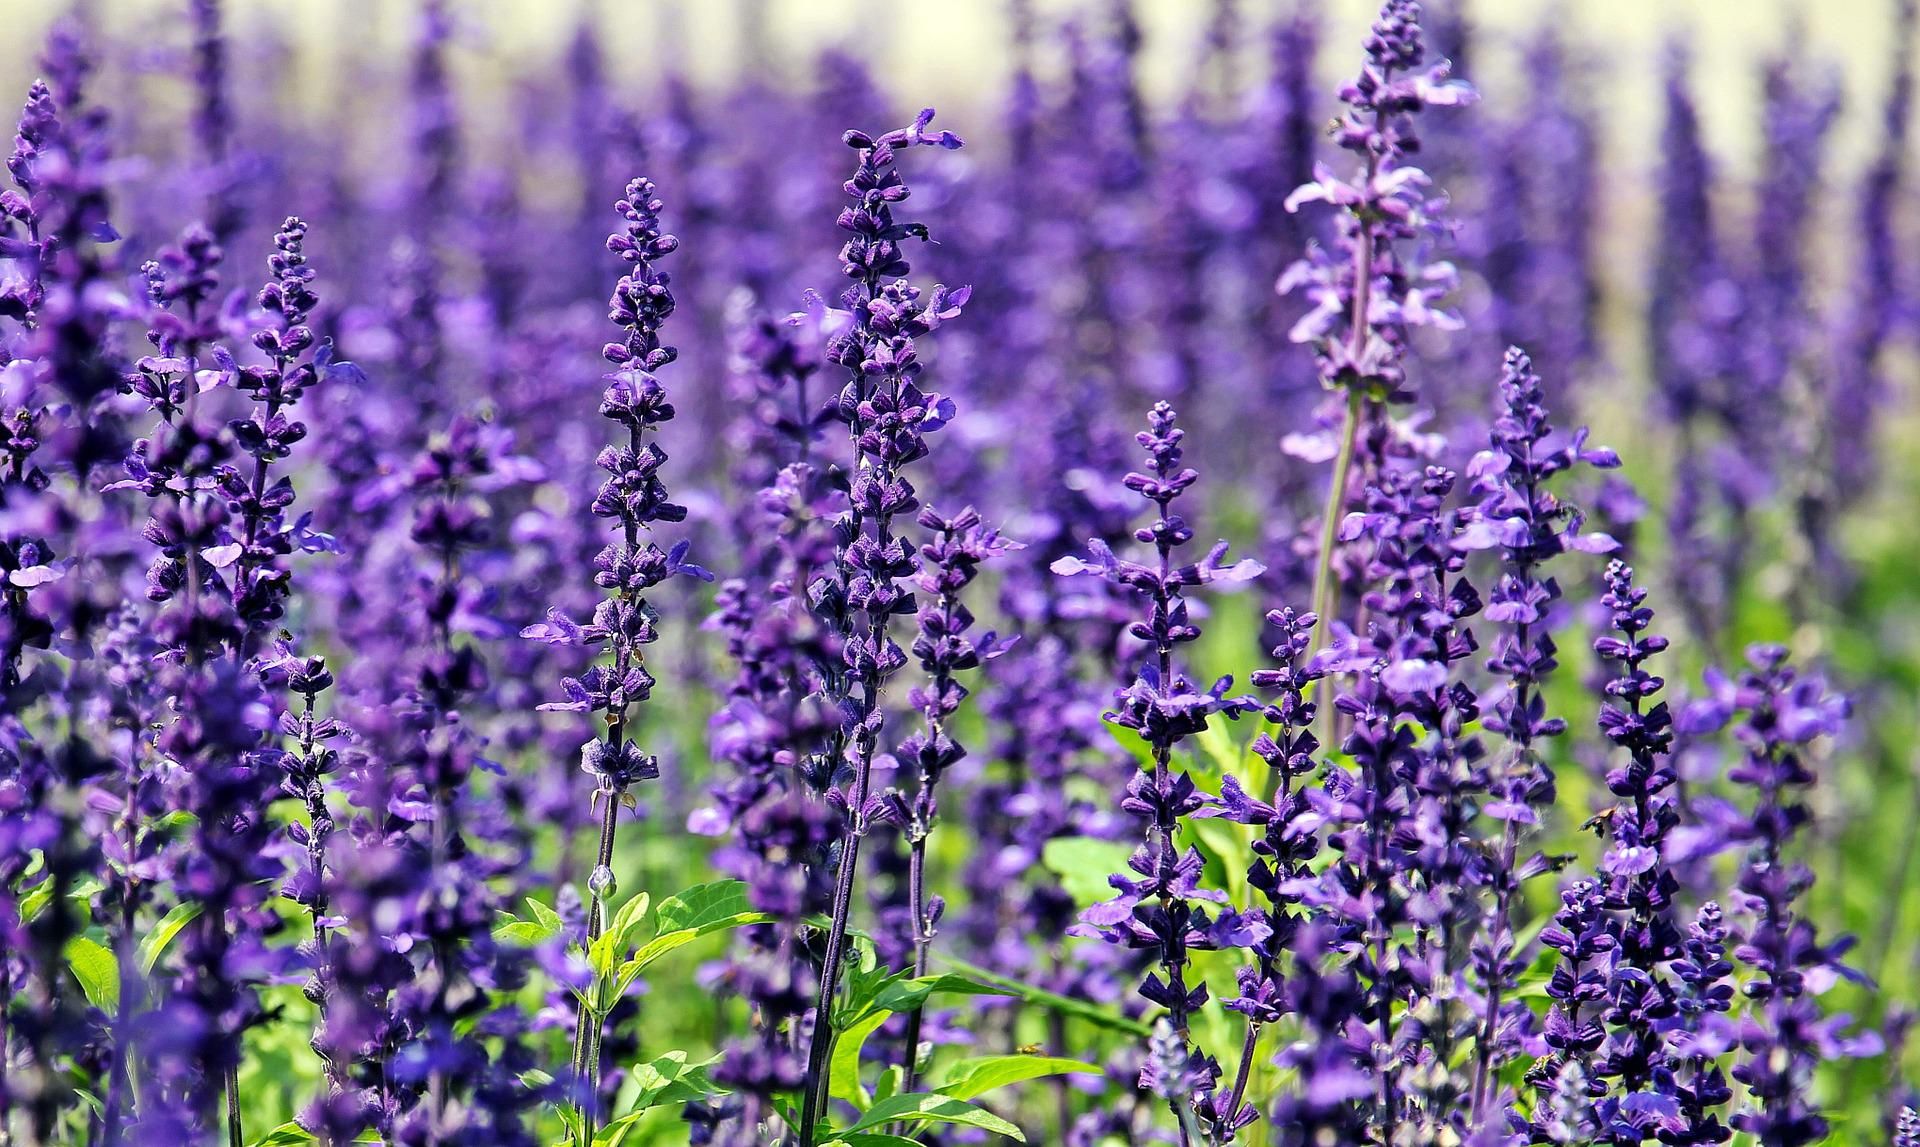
<point x="287" y="857"/>
<point x="1529" y="525"/>
<point x="949" y="562"/>
<point x="634" y="496"/>
<point x="1374" y="286"/>
<point x="888" y="417"/>
<point x="1160" y="908"/>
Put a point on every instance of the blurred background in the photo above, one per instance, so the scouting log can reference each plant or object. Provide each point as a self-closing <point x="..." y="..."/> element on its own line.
<point x="954" y="54"/>
<point x="1730" y="302"/>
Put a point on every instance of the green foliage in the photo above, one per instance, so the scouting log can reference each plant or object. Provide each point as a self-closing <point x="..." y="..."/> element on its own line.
<point x="873" y="994"/>
<point x="154" y="944"/>
<point x="1082" y="865"/>
<point x="1099" y="1017"/>
<point x="98" y="972"/>
<point x="971" y="1078"/>
<point x="928" y="1108"/>
<point x="667" y="1081"/>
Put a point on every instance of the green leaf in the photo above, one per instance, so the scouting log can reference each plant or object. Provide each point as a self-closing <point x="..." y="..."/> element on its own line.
<point x="920" y="1107"/>
<point x="862" y="985"/>
<point x="843" y="1070"/>
<point x="544" y="925"/>
<point x="600" y="955"/>
<point x="1083" y="865"/>
<point x="672" y="1079"/>
<point x="971" y="1078"/>
<point x="1064" y="1005"/>
<point x="629" y="918"/>
<point x="877" y="1139"/>
<point x="668" y="941"/>
<point x="789" y="1114"/>
<point x="615" y="1134"/>
<point x="521" y="934"/>
<point x="98" y="972"/>
<point x="35" y="902"/>
<point x="286" y="1135"/>
<point x="178" y="818"/>
<point x="546" y="917"/>
<point x="154" y="944"/>
<point x="906" y="995"/>
<point x="575" y="1125"/>
<point x="891" y="1081"/>
<point x="702" y="905"/>
<point x="657" y="947"/>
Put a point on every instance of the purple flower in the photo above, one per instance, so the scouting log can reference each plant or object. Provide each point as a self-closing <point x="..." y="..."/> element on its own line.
<point x="1398" y="820"/>
<point x="949" y="562"/>
<point x="888" y="417"/>
<point x="1517" y="515"/>
<point x="1163" y="708"/>
<point x="1699" y="1036"/>
<point x="1782" y="713"/>
<point x="1375" y="285"/>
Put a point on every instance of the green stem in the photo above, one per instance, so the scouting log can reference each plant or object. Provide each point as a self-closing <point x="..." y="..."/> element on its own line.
<point x="236" y="1137"/>
<point x="587" y="1019"/>
<point x="1326" y="586"/>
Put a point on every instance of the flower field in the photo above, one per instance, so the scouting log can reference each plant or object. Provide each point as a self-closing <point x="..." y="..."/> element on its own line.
<point x="617" y="607"/>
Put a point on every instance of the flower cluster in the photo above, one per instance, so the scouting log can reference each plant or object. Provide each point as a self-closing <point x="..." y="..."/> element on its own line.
<point x="1161" y="908"/>
<point x="299" y="843"/>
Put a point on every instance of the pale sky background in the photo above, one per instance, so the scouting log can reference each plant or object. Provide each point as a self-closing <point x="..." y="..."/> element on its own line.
<point x="948" y="52"/>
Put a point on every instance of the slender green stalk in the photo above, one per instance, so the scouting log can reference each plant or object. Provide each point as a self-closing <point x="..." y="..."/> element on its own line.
<point x="1326" y="585"/>
<point x="587" y="1018"/>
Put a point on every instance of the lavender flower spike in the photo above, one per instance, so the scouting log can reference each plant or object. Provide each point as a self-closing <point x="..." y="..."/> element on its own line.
<point x="1159" y="911"/>
<point x="629" y="567"/>
<point x="1374" y="288"/>
<point x="888" y="418"/>
<point x="1517" y="515"/>
<point x="949" y="563"/>
<point x="1784" y="1033"/>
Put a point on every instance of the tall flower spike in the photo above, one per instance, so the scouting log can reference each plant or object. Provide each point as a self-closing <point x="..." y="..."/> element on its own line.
<point x="627" y="569"/>
<point x="1398" y="817"/>
<point x="1782" y="714"/>
<point x="1518" y="516"/>
<point x="1375" y="286"/>
<point x="1695" y="1045"/>
<point x="264" y="536"/>
<point x="949" y="562"/>
<point x="1160" y="911"/>
<point x="1695" y="346"/>
<point x="74" y="310"/>
<point x="888" y="418"/>
<point x="305" y="770"/>
<point x="1878" y="299"/>
<point x="213" y="120"/>
<point x="772" y="722"/>
<point x="23" y="218"/>
<point x="1640" y="888"/>
<point x="1288" y="839"/>
<point x="445" y="1065"/>
<point x="28" y="409"/>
